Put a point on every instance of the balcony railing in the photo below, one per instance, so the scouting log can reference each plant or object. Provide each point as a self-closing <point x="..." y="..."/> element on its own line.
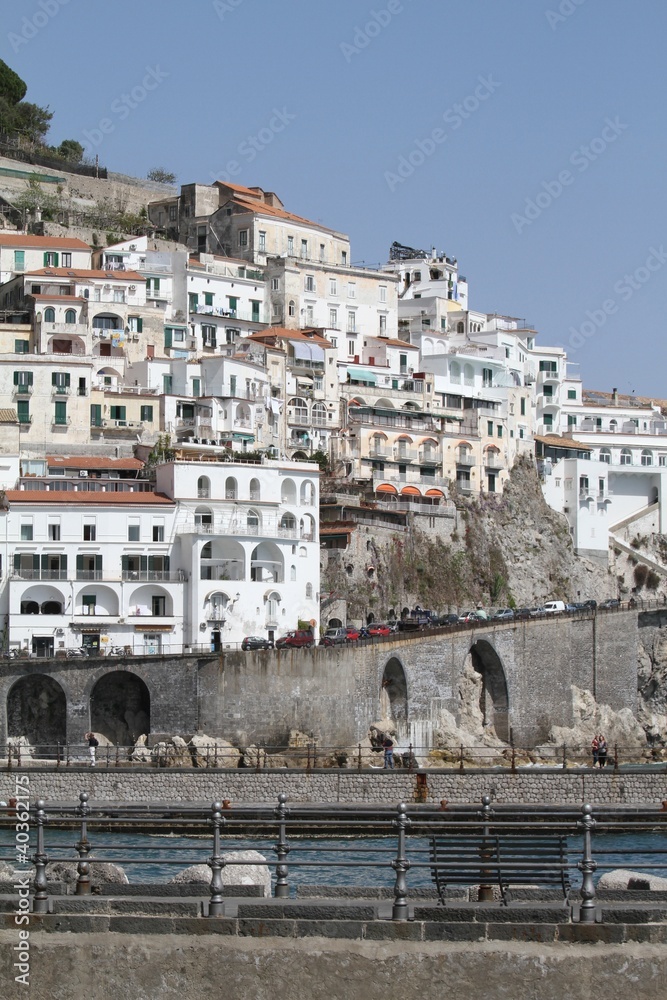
<point x="465" y="459"/>
<point x="405" y="455"/>
<point x="39" y="574"/>
<point x="151" y="575"/>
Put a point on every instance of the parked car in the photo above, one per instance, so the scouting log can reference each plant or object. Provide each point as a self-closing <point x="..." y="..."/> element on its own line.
<point x="611" y="603"/>
<point x="334" y="637"/>
<point x="378" y="628"/>
<point x="470" y="616"/>
<point x="295" y="639"/>
<point x="521" y="614"/>
<point x="448" y="620"/>
<point x="504" y="614"/>
<point x="554" y="607"/>
<point x="353" y="633"/>
<point x="256" y="642"/>
<point x="590" y="604"/>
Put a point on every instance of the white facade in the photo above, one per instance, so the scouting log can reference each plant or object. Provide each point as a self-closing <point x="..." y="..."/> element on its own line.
<point x="20" y="253"/>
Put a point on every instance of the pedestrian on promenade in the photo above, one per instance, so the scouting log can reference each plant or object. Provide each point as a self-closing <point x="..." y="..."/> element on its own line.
<point x="92" y="744"/>
<point x="388" y="747"/>
<point x="595" y="750"/>
<point x="602" y="750"/>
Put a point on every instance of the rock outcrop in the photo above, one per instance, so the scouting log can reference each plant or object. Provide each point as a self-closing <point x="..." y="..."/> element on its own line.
<point x="241" y="868"/>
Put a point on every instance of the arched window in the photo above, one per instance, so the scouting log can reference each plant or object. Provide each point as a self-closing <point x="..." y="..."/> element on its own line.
<point x="288" y="491"/>
<point x="252" y="521"/>
<point x="255" y="492"/>
<point x="605" y="456"/>
<point x="647" y="457"/>
<point x="291" y="308"/>
<point x="292" y="573"/>
<point x="455" y="372"/>
<point x="626" y="457"/>
<point x="203" y="487"/>
<point x="460" y="327"/>
<point x="287" y="526"/>
<point x="231" y="488"/>
<point x="309" y="591"/>
<point x="204" y="519"/>
<point x="319" y="415"/>
<point x="29" y="608"/>
<point x="70" y="316"/>
<point x="49" y="315"/>
<point x="613" y="424"/>
<point x="307" y="493"/>
<point x="468" y="374"/>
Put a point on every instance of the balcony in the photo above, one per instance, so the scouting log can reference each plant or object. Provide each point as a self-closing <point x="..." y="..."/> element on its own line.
<point x="405" y="455"/>
<point x="492" y="461"/>
<point x="122" y="425"/>
<point x="464" y="458"/>
<point x="67" y="329"/>
<point x="61" y="390"/>
<point x="153" y="575"/>
<point x="23" y="390"/>
<point x="297" y="415"/>
<point x="39" y="574"/>
<point x="429" y="458"/>
<point x="61" y="421"/>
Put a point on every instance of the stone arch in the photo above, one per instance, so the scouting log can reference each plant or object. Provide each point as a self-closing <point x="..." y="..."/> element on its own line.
<point x="120" y="707"/>
<point x="494" y="698"/>
<point x="37" y="709"/>
<point x="394" y="695"/>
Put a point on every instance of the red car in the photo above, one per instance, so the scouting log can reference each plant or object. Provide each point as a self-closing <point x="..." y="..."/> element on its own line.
<point x="379" y="628"/>
<point x="352" y="633"/>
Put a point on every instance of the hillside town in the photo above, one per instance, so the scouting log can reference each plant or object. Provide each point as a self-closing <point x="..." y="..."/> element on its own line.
<point x="175" y="405"/>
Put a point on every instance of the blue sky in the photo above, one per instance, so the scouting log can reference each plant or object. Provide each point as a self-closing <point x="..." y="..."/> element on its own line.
<point x="545" y="174"/>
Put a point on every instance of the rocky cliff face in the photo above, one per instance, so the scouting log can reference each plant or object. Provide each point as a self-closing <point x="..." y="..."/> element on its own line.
<point x="499" y="548"/>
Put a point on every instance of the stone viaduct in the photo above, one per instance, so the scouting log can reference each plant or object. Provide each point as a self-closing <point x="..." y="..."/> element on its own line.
<point x="527" y="669"/>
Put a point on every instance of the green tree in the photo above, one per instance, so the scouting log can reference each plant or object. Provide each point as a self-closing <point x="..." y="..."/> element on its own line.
<point x="12" y="87"/>
<point x="35" y="197"/>
<point x="70" y="150"/>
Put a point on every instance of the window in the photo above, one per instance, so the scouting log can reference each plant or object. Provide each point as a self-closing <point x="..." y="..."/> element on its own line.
<point x="275" y="284"/>
<point x="605" y="456"/>
<point x="60" y="381"/>
<point x="70" y="316"/>
<point x="49" y="315"/>
<point x="89" y="602"/>
<point x="626" y="457"/>
<point x="507" y="354"/>
<point x="23" y="411"/>
<point x="309" y="315"/>
<point x="262" y="241"/>
<point x="243" y="237"/>
<point x="290" y="246"/>
<point x="383" y="325"/>
<point x="158" y="532"/>
<point x="310" y="283"/>
<point x="343" y="258"/>
<point x="173" y="209"/>
<point x="499" y="430"/>
<point x="351" y="347"/>
<point x="571" y="420"/>
<point x="351" y="321"/>
<point x="196" y="387"/>
<point x="571" y="393"/>
<point x="66" y="260"/>
<point x="50" y="259"/>
<point x="54" y="531"/>
<point x="60" y="413"/>
<point x="147" y="414"/>
<point x="19" y="260"/>
<point x="523" y="406"/>
<point x="118" y="413"/>
<point x="133" y="532"/>
<point x="383" y="293"/>
<point x="209" y="335"/>
<point x="333" y="286"/>
<point x="647" y="457"/>
<point x="208" y="298"/>
<point x="548" y="421"/>
<point x="549" y="366"/>
<point x="232" y="304"/>
<point x="333" y="319"/>
<point x="90" y="532"/>
<point x="21" y="346"/>
<point x="304" y="249"/>
<point x="95" y="415"/>
<point x="167" y="383"/>
<point x="152" y="287"/>
<point x="322" y="251"/>
<point x="26" y="531"/>
<point x="487" y="377"/>
<point x="548" y="391"/>
<point x="158" y="605"/>
<point x="291" y="308"/>
<point x="351" y="290"/>
<point x="23" y="382"/>
<point x="193" y="300"/>
<point x="489" y="428"/>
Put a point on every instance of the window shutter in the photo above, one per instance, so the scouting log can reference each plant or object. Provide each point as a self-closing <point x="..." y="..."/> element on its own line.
<point x="140" y="325"/>
<point x="167" y="336"/>
<point x="16" y="378"/>
<point x="67" y="380"/>
<point x="45" y="561"/>
<point x="98" y="564"/>
<point x="46" y="259"/>
<point x="63" y="563"/>
<point x="17" y="561"/>
<point x="151" y="564"/>
<point x="54" y="378"/>
<point x="79" y="564"/>
<point x="28" y="380"/>
<point x="35" y="562"/>
<point x="143" y="563"/>
<point x="166" y="563"/>
<point x="124" y="563"/>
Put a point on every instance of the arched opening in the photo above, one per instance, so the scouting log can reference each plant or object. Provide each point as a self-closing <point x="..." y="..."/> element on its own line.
<point x="394" y="695"/>
<point x="231" y="488"/>
<point x="255" y="491"/>
<point x="288" y="491"/>
<point x="49" y="315"/>
<point x="334" y="623"/>
<point x="494" y="700"/>
<point x="203" y="487"/>
<point x="267" y="564"/>
<point x="70" y="316"/>
<point x="37" y="709"/>
<point x="120" y="708"/>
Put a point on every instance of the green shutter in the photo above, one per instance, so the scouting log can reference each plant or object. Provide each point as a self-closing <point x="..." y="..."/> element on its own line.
<point x="45" y="561"/>
<point x="98" y="564"/>
<point x="124" y="563"/>
<point x="140" y="325"/>
<point x="79" y="564"/>
<point x="143" y="564"/>
<point x="23" y="411"/>
<point x="166" y="563"/>
<point x="168" y="334"/>
<point x="95" y="414"/>
<point x="54" y="378"/>
<point x="17" y="561"/>
<point x="67" y="380"/>
<point x="16" y="378"/>
<point x="35" y="562"/>
<point x="63" y="563"/>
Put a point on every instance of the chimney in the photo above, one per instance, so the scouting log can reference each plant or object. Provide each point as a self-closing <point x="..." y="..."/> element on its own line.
<point x="614" y="397"/>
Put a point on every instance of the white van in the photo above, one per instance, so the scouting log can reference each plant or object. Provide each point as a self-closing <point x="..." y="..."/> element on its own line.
<point x="554" y="607"/>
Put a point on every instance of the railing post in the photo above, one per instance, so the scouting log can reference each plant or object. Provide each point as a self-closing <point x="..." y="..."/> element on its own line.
<point x="67" y="753"/>
<point x="485" y="889"/>
<point x="587" y="866"/>
<point x="216" y="906"/>
<point x="564" y="757"/>
<point x="107" y="756"/>
<point x="18" y="755"/>
<point x="308" y="757"/>
<point x="410" y="757"/>
<point x="281" y="849"/>
<point x="461" y="758"/>
<point x="9" y="756"/>
<point x="83" y="848"/>
<point x="513" y="764"/>
<point x="41" y="900"/>
<point x="359" y="757"/>
<point x="58" y="753"/>
<point x="117" y="756"/>
<point x="401" y="866"/>
<point x="616" y="756"/>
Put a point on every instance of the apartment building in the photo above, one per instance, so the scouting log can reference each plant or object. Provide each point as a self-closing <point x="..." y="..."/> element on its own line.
<point x="21" y="253"/>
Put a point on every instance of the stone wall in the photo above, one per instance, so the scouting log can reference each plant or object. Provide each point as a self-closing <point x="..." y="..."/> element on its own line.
<point x="385" y="787"/>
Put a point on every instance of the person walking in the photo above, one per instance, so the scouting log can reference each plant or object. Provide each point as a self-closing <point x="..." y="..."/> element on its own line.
<point x="602" y="750"/>
<point x="595" y="750"/>
<point x="92" y="745"/>
<point x="388" y="747"/>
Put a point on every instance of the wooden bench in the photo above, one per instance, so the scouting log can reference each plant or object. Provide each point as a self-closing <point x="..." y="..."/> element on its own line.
<point x="499" y="859"/>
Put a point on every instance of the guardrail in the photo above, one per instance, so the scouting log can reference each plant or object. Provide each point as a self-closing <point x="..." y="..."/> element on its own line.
<point x="390" y="843"/>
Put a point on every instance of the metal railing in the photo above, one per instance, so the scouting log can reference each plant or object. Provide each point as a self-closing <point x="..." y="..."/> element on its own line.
<point x="390" y="844"/>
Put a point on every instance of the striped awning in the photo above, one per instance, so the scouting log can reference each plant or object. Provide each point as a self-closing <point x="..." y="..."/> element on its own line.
<point x="8" y="416"/>
<point x="386" y="488"/>
<point x="410" y="491"/>
<point x="434" y="493"/>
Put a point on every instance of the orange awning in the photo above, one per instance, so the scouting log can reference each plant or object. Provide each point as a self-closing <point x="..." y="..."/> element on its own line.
<point x="434" y="493"/>
<point x="410" y="491"/>
<point x="386" y="488"/>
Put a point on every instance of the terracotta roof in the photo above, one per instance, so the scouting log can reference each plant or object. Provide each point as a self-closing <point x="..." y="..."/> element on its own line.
<point x="92" y="462"/>
<point x="554" y="441"/>
<point x="68" y="298"/>
<point x="261" y="208"/>
<point x="36" y="242"/>
<point x="392" y="342"/>
<point x="112" y="498"/>
<point x="285" y="334"/>
<point x="73" y="272"/>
